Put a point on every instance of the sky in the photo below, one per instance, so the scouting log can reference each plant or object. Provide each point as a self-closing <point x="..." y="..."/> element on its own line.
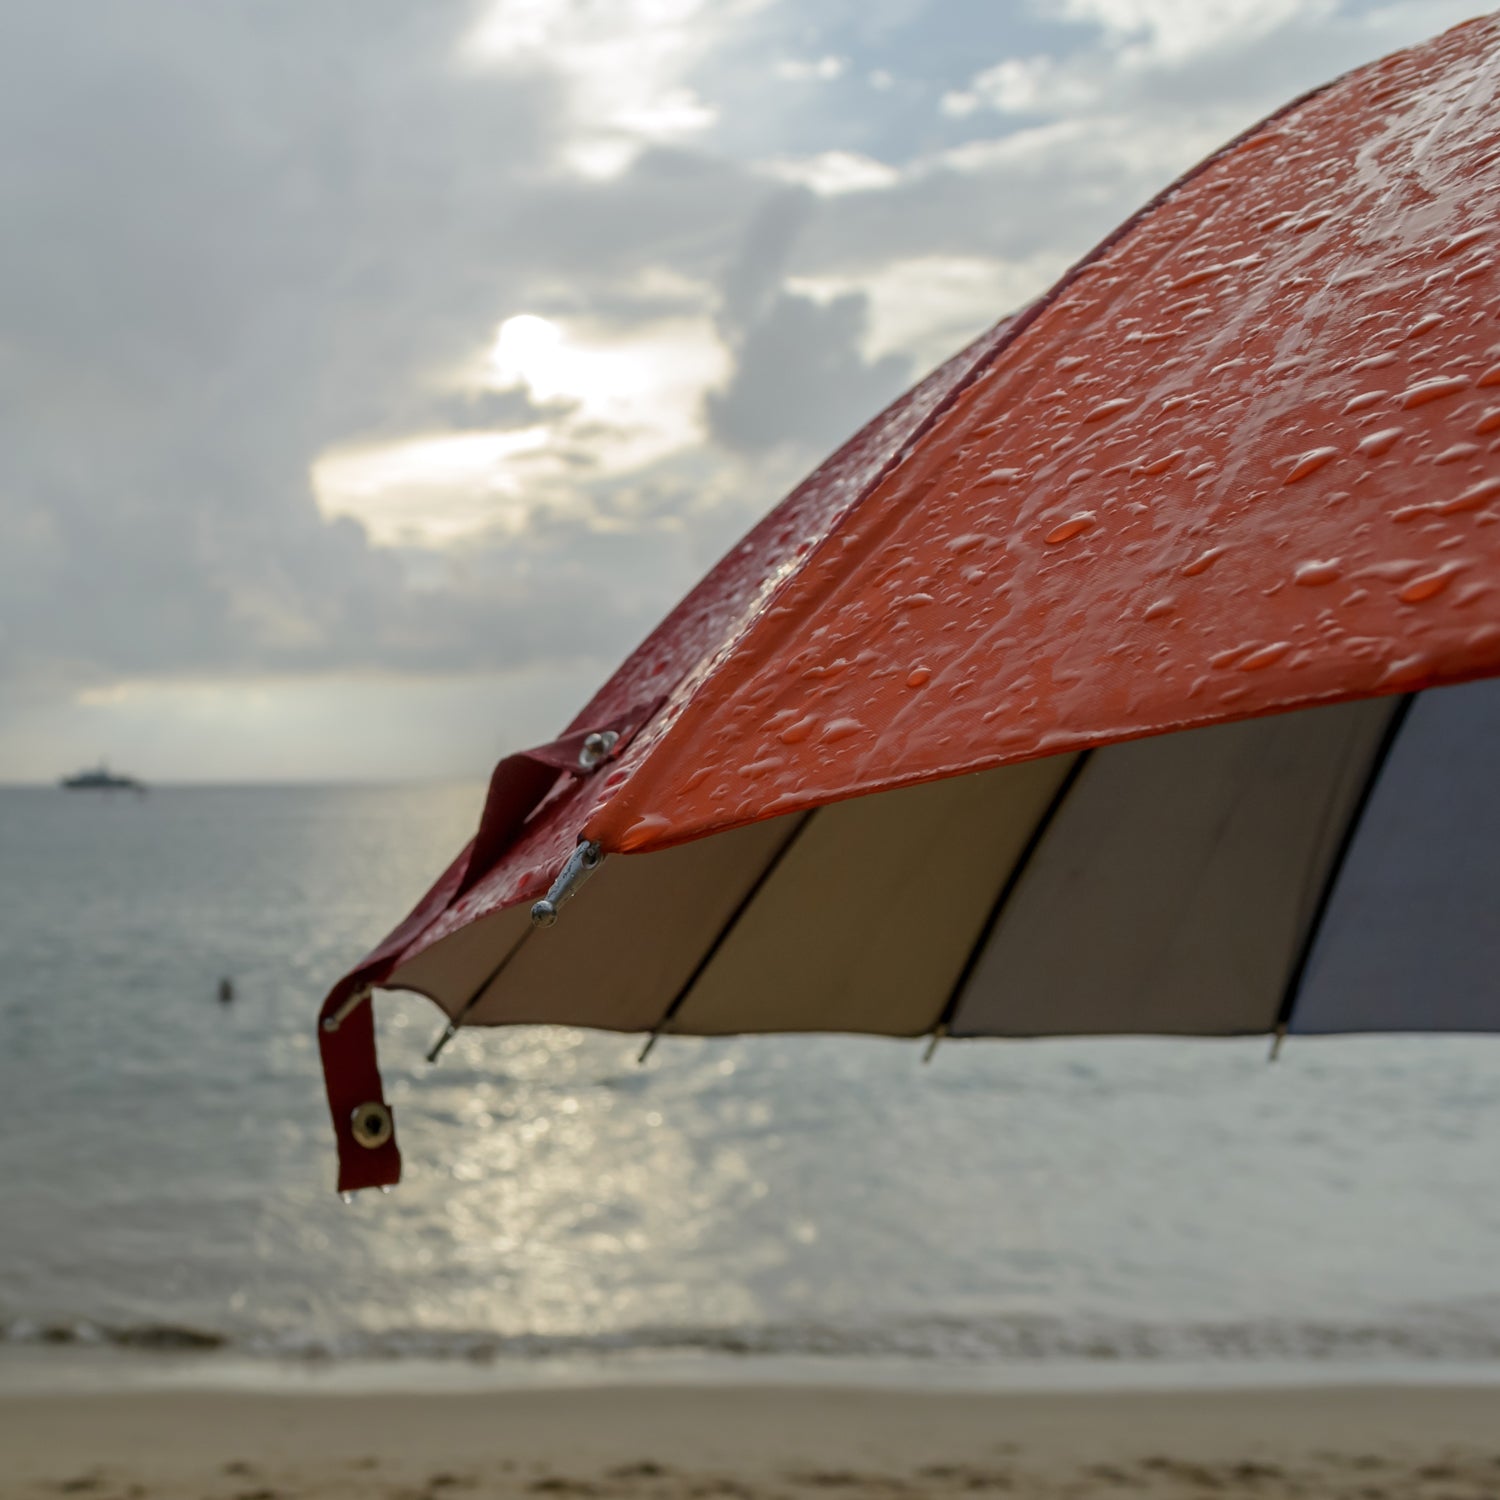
<point x="374" y="375"/>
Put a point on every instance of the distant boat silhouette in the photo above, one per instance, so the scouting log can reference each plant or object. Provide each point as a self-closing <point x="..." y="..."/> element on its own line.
<point x="101" y="779"/>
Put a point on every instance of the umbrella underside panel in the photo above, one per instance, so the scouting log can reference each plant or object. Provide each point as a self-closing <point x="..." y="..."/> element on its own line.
<point x="868" y="922"/>
<point x="1411" y="939"/>
<point x="621" y="950"/>
<point x="1175" y="885"/>
<point x="1166" y="885"/>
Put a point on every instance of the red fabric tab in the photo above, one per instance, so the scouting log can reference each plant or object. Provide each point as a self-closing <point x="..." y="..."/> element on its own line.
<point x="351" y="1075"/>
<point x="351" y="1070"/>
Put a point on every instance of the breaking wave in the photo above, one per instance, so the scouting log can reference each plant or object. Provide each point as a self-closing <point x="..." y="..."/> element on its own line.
<point x="1446" y="1335"/>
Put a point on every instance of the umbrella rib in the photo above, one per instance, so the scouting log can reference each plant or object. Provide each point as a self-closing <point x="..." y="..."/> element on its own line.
<point x="746" y="901"/>
<point x="1378" y="762"/>
<point x="1007" y="890"/>
<point x="451" y="1029"/>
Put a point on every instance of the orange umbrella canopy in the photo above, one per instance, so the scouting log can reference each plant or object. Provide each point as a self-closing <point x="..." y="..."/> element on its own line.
<point x="1241" y="460"/>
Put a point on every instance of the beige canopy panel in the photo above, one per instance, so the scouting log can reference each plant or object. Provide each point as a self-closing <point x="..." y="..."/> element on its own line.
<point x="1167" y="885"/>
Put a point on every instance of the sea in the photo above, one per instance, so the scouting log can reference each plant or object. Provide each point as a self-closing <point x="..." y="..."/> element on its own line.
<point x="167" y="1173"/>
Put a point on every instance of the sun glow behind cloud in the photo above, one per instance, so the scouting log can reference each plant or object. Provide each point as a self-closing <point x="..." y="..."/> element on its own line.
<point x="615" y="404"/>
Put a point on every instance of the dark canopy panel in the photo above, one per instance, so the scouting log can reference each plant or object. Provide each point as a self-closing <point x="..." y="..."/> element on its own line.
<point x="1411" y="940"/>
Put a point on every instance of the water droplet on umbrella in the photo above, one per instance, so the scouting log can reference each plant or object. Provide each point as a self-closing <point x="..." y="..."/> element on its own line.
<point x="643" y="830"/>
<point x="1195" y="277"/>
<point x="1363" y="401"/>
<point x="1406" y="672"/>
<point x="1159" y="465"/>
<point x="1107" y="409"/>
<point x="1457" y="453"/>
<point x="1073" y="526"/>
<point x="794" y="734"/>
<point x="763" y="766"/>
<point x="1231" y="656"/>
<point x="1436" y="389"/>
<point x="1462" y="241"/>
<point x="1309" y="463"/>
<point x="1313" y="574"/>
<point x="1471" y="499"/>
<point x="827" y="669"/>
<point x="1489" y="421"/>
<point x="1310" y="221"/>
<point x="1380" y="442"/>
<point x="1264" y="657"/>
<point x="1429" y="584"/>
<point x="1203" y="562"/>
<point x="841" y="729"/>
<point x="918" y="677"/>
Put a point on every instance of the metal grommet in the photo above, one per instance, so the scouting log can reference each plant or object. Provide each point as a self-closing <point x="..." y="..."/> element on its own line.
<point x="370" y="1125"/>
<point x="596" y="748"/>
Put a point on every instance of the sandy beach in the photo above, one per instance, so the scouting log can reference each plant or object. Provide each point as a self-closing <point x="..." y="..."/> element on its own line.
<point x="782" y="1442"/>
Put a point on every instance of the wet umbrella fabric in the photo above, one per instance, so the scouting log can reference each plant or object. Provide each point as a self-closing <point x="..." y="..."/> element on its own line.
<point x="1135" y="672"/>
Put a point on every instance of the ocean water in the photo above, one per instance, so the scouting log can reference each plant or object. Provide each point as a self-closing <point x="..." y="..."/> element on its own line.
<point x="166" y="1171"/>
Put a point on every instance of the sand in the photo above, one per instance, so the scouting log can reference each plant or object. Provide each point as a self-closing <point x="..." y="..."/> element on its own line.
<point x="722" y="1442"/>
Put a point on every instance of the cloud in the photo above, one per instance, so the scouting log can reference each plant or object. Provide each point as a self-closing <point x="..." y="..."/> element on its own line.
<point x="831" y="172"/>
<point x="261" y="421"/>
<point x="244" y="255"/>
<point x="1025" y="86"/>
<point x="820" y="69"/>
<point x="1146" y="32"/>
<point x="926" y="306"/>
<point x="800" y="376"/>
<point x="625" y="68"/>
<point x="1134" y="61"/>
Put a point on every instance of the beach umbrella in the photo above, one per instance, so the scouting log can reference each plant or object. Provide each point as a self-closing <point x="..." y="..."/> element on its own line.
<point x="1134" y="673"/>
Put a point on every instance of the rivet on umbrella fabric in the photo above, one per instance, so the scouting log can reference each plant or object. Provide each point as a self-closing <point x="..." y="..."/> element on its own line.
<point x="596" y="749"/>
